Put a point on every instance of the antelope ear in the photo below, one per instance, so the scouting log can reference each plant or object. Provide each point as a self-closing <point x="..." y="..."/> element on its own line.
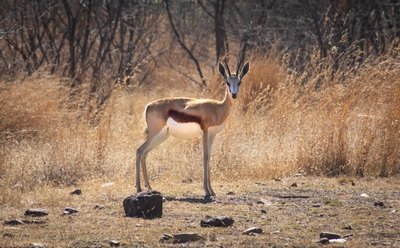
<point x="221" y="70"/>
<point x="244" y="70"/>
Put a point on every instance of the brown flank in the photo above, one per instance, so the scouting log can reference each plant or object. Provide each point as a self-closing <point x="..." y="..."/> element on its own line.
<point x="184" y="118"/>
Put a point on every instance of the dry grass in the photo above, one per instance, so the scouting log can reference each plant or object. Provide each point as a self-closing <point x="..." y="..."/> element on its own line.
<point x="349" y="124"/>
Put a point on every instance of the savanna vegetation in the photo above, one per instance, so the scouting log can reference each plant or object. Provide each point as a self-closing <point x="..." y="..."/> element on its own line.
<point x="321" y="98"/>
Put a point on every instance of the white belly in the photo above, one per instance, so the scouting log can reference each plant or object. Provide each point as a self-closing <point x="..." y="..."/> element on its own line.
<point x="188" y="130"/>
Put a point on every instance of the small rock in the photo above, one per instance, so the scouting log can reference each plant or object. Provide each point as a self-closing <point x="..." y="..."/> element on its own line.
<point x="76" y="192"/>
<point x="69" y="210"/>
<point x="13" y="222"/>
<point x="263" y="211"/>
<point x="230" y="193"/>
<point x="293" y="185"/>
<point x="148" y="205"/>
<point x="348" y="228"/>
<point x="329" y="235"/>
<point x="264" y="201"/>
<point x="323" y="241"/>
<point x="316" y="205"/>
<point x="181" y="238"/>
<point x="379" y="204"/>
<point x="187" y="180"/>
<point x="337" y="241"/>
<point x="252" y="231"/>
<point x="36" y="212"/>
<point x="36" y="245"/>
<point x="219" y="221"/>
<point x="99" y="206"/>
<point x="114" y="243"/>
<point x="365" y="195"/>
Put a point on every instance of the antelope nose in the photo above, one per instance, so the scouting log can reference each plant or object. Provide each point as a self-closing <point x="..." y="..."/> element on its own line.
<point x="234" y="96"/>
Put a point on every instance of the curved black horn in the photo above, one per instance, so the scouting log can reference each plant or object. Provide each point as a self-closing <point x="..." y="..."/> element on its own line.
<point x="240" y="60"/>
<point x="227" y="67"/>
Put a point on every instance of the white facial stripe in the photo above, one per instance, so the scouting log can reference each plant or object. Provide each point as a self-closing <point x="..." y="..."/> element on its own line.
<point x="234" y="88"/>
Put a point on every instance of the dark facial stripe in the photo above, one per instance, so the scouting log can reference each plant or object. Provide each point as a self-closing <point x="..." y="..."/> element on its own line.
<point x="183" y="118"/>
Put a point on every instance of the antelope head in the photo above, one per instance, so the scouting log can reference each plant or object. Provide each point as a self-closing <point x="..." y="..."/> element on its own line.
<point x="233" y="80"/>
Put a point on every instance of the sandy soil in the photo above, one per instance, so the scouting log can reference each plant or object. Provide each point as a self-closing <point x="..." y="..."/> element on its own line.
<point x="292" y="213"/>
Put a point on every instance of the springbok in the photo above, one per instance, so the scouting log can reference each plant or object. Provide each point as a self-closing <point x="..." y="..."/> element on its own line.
<point x="189" y="118"/>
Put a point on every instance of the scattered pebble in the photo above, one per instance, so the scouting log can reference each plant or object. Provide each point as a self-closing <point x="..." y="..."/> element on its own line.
<point x="337" y="241"/>
<point x="69" y="211"/>
<point x="187" y="180"/>
<point x="252" y="231"/>
<point x="323" y="241"/>
<point x="13" y="222"/>
<point x="36" y="212"/>
<point x="114" y="243"/>
<point x="348" y="228"/>
<point x="99" y="206"/>
<point x="180" y="237"/>
<point x="379" y="204"/>
<point x="36" y="245"/>
<point x="264" y="201"/>
<point x="76" y="192"/>
<point x="293" y="185"/>
<point x="329" y="235"/>
<point x="219" y="221"/>
<point x="365" y="195"/>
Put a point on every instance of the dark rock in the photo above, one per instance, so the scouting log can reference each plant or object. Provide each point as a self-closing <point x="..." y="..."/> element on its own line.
<point x="181" y="237"/>
<point x="14" y="222"/>
<point x="348" y="228"/>
<point x="323" y="241"/>
<point x="293" y="185"/>
<point x="146" y="205"/>
<point x="36" y="212"/>
<point x="76" y="192"/>
<point x="329" y="235"/>
<point x="379" y="204"/>
<point x="219" y="221"/>
<point x="252" y="231"/>
<point x="316" y="205"/>
<point x="263" y="211"/>
<point x="114" y="243"/>
<point x="69" y="210"/>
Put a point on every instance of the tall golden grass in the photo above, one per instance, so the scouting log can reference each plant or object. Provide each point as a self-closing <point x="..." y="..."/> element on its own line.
<point x="283" y="123"/>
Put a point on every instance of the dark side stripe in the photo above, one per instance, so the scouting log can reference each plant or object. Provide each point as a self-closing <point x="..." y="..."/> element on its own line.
<point x="184" y="118"/>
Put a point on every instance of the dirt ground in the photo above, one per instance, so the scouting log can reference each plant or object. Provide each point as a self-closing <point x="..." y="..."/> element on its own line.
<point x="292" y="212"/>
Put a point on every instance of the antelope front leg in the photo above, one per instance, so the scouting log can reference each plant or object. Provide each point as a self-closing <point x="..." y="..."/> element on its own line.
<point x="138" y="158"/>
<point x="206" y="160"/>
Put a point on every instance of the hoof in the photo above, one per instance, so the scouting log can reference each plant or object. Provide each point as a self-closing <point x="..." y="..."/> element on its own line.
<point x="208" y="198"/>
